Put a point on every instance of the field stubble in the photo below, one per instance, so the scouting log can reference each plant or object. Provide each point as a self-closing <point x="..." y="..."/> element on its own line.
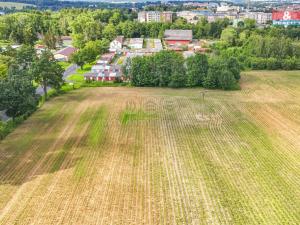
<point x="158" y="156"/>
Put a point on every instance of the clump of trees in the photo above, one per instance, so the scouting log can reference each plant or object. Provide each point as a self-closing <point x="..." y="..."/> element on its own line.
<point x="90" y="52"/>
<point x="169" y="69"/>
<point x="256" y="51"/>
<point x="17" y="86"/>
<point x="164" y="69"/>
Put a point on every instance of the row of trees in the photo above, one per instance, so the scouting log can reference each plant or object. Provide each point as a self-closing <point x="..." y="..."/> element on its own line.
<point x="89" y="25"/>
<point x="260" y="50"/>
<point x="17" y="86"/>
<point x="170" y="69"/>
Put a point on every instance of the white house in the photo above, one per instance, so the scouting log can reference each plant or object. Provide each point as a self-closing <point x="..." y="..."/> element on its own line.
<point x="117" y="44"/>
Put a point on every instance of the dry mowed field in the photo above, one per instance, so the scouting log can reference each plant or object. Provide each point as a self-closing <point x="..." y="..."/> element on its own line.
<point x="158" y="156"/>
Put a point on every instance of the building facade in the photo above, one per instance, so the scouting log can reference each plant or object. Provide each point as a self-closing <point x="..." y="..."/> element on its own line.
<point x="155" y="16"/>
<point x="286" y="17"/>
<point x="117" y="44"/>
<point x="259" y="17"/>
<point x="178" y="37"/>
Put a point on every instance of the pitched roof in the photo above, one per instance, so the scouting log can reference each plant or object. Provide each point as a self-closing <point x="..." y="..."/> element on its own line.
<point x="66" y="38"/>
<point x="68" y="51"/>
<point x="120" y="39"/>
<point x="179" y="35"/>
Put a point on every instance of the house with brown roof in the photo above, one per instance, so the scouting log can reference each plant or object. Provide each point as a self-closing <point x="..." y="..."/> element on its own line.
<point x="64" y="54"/>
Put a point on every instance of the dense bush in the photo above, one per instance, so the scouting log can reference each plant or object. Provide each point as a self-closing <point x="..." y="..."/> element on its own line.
<point x="222" y="73"/>
<point x="9" y="126"/>
<point x="169" y="69"/>
<point x="163" y="69"/>
<point x="258" y="63"/>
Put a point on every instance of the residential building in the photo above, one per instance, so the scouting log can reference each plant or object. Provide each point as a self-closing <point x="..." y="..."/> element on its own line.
<point x="227" y="8"/>
<point x="216" y="16"/>
<point x="104" y="73"/>
<point x="260" y="17"/>
<point x="64" y="54"/>
<point x="190" y="16"/>
<point x="106" y="58"/>
<point x="117" y="44"/>
<point x="166" y="17"/>
<point x="136" y="43"/>
<point x="155" y="16"/>
<point x="142" y="17"/>
<point x="178" y="37"/>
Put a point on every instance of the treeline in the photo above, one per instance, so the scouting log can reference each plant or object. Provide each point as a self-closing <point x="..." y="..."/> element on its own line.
<point x="261" y="50"/>
<point x="86" y="25"/>
<point x="170" y="69"/>
<point x="57" y="4"/>
<point x="89" y="25"/>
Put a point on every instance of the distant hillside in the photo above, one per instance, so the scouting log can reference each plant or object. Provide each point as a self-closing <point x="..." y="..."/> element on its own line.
<point x="14" y="5"/>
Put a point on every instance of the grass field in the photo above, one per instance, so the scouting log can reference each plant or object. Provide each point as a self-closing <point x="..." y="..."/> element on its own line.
<point x="117" y="155"/>
<point x="14" y="5"/>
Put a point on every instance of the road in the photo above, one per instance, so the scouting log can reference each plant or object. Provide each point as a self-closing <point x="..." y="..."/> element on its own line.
<point x="69" y="71"/>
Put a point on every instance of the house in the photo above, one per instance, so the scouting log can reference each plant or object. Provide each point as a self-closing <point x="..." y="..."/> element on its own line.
<point x="117" y="44"/>
<point x="178" y="37"/>
<point x="100" y="68"/>
<point x="65" y="41"/>
<point x="136" y="43"/>
<point x="64" y="54"/>
<point x="106" y="58"/>
<point x="104" y="73"/>
<point x="166" y="17"/>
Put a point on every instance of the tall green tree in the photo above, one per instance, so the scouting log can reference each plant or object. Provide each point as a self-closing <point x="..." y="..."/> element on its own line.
<point x="17" y="95"/>
<point x="47" y="72"/>
<point x="229" y="35"/>
<point x="50" y="40"/>
<point x="197" y="67"/>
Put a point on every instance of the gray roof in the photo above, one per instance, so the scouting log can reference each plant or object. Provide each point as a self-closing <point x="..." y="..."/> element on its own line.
<point x="179" y="35"/>
<point x="68" y="51"/>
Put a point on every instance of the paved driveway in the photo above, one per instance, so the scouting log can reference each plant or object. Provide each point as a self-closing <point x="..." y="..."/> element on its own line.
<point x="69" y="71"/>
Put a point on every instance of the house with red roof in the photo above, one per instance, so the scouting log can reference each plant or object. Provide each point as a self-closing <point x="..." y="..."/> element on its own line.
<point x="178" y="37"/>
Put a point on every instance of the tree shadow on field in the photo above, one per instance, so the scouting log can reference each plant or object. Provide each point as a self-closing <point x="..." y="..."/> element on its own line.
<point x="18" y="167"/>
